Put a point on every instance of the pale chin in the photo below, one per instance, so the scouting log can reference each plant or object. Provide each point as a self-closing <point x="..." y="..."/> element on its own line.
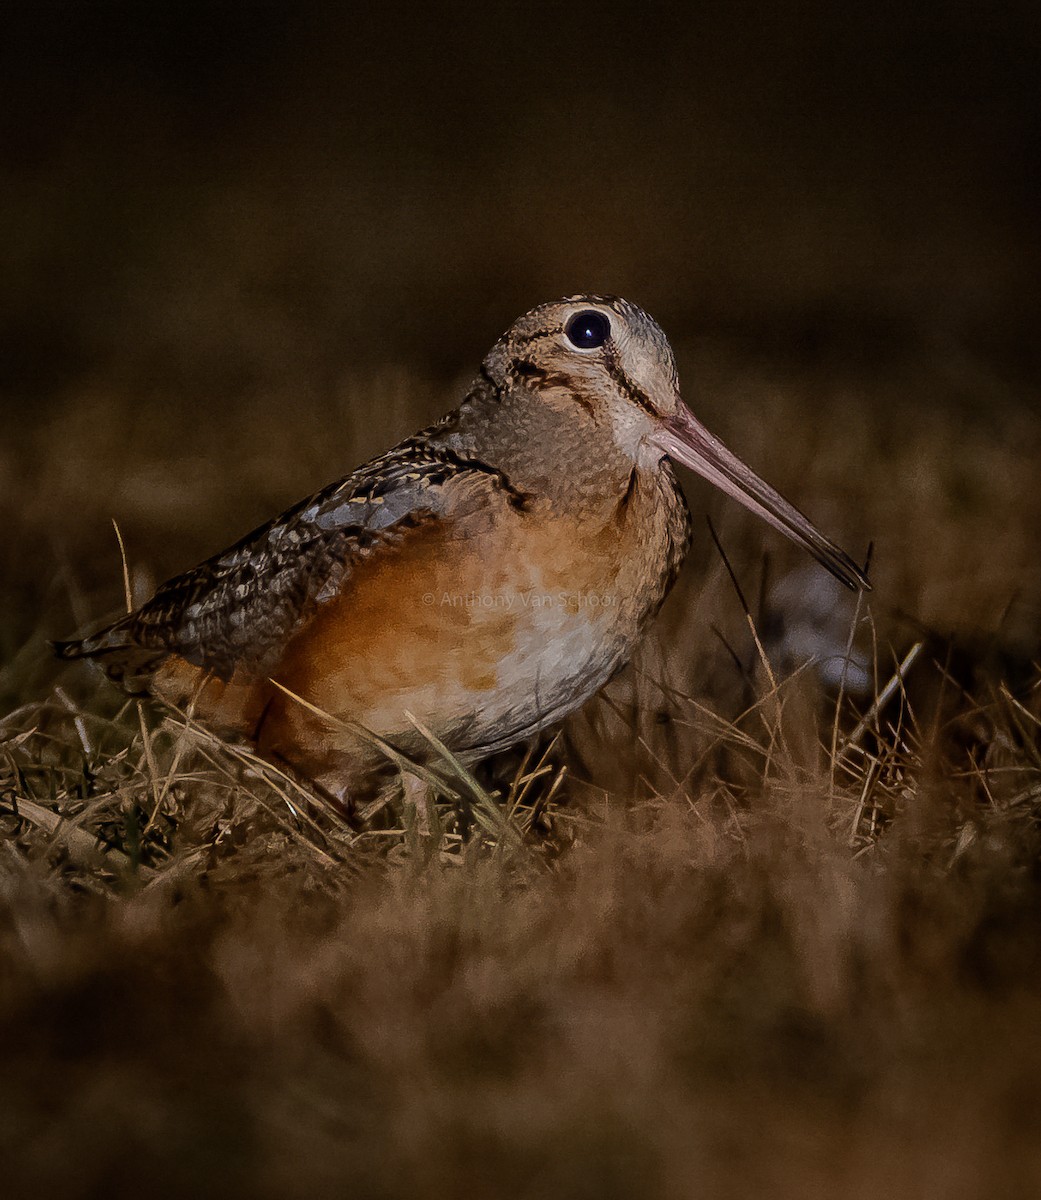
<point x="650" y="453"/>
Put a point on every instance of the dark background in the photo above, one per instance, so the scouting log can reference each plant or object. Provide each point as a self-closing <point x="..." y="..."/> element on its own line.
<point x="222" y="193"/>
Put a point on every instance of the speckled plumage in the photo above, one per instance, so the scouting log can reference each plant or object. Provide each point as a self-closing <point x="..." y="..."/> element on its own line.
<point x="486" y="575"/>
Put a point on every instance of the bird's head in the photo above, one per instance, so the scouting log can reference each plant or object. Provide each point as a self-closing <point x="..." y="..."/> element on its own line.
<point x="609" y="362"/>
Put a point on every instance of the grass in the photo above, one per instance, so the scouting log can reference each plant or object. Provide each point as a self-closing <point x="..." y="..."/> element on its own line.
<point x="730" y="933"/>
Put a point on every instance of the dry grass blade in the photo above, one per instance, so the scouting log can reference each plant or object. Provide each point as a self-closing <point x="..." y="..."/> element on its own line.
<point x="895" y="683"/>
<point x="146" y="739"/>
<point x="401" y="761"/>
<point x="296" y="799"/>
<point x="486" y="809"/>
<point x="525" y="779"/>
<point x="749" y="619"/>
<point x="88" y="848"/>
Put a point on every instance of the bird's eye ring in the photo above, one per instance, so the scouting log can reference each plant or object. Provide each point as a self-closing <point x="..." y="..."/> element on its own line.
<point x="588" y="329"/>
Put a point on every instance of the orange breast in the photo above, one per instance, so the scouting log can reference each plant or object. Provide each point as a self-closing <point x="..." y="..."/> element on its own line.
<point x="420" y="619"/>
<point x="481" y="629"/>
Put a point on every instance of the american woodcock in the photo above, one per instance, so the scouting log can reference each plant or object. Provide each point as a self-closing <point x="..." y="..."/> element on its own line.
<point x="487" y="575"/>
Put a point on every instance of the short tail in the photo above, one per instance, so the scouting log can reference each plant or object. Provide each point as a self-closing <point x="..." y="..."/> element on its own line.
<point x="77" y="648"/>
<point x="112" y="638"/>
<point x="122" y="659"/>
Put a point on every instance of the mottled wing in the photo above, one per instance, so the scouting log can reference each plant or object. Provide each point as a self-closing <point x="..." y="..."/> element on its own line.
<point x="237" y="610"/>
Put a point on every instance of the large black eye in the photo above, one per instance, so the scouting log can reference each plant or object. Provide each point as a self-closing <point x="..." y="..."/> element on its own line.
<point x="588" y="329"/>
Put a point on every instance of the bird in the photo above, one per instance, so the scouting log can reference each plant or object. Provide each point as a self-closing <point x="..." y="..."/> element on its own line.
<point x="477" y="582"/>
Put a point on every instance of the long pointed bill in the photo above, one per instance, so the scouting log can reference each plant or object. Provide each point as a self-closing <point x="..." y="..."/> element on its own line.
<point x="686" y="440"/>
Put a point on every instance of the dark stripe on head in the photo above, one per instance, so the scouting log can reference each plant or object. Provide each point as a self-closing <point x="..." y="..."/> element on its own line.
<point x="527" y="338"/>
<point x="635" y="393"/>
<point x="524" y="368"/>
<point x="538" y="377"/>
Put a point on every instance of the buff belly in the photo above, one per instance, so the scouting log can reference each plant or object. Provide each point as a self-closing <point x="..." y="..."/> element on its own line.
<point x="482" y="651"/>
